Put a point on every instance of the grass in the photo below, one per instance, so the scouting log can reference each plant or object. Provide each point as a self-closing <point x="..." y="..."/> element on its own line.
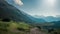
<point x="11" y="27"/>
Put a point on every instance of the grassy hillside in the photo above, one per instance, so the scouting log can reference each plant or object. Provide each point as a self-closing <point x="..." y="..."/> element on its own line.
<point x="13" y="27"/>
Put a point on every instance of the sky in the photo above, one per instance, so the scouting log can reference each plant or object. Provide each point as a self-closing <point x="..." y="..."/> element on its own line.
<point x="38" y="7"/>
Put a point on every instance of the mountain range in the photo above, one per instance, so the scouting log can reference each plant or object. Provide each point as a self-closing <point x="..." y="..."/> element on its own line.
<point x="9" y="11"/>
<point x="48" y="18"/>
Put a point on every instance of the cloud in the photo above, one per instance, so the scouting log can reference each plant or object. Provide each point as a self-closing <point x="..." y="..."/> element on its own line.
<point x="19" y="2"/>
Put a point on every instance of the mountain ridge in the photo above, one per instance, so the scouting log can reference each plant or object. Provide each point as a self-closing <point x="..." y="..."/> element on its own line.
<point x="49" y="18"/>
<point x="13" y="13"/>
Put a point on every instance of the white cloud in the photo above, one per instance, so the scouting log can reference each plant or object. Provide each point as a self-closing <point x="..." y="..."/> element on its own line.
<point x="19" y="2"/>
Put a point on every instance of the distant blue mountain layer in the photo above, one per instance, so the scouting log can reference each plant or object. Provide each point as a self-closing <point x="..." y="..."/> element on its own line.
<point x="49" y="18"/>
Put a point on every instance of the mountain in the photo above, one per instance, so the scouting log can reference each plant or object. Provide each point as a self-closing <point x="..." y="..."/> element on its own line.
<point x="13" y="13"/>
<point x="51" y="18"/>
<point x="48" y="18"/>
<point x="39" y="20"/>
